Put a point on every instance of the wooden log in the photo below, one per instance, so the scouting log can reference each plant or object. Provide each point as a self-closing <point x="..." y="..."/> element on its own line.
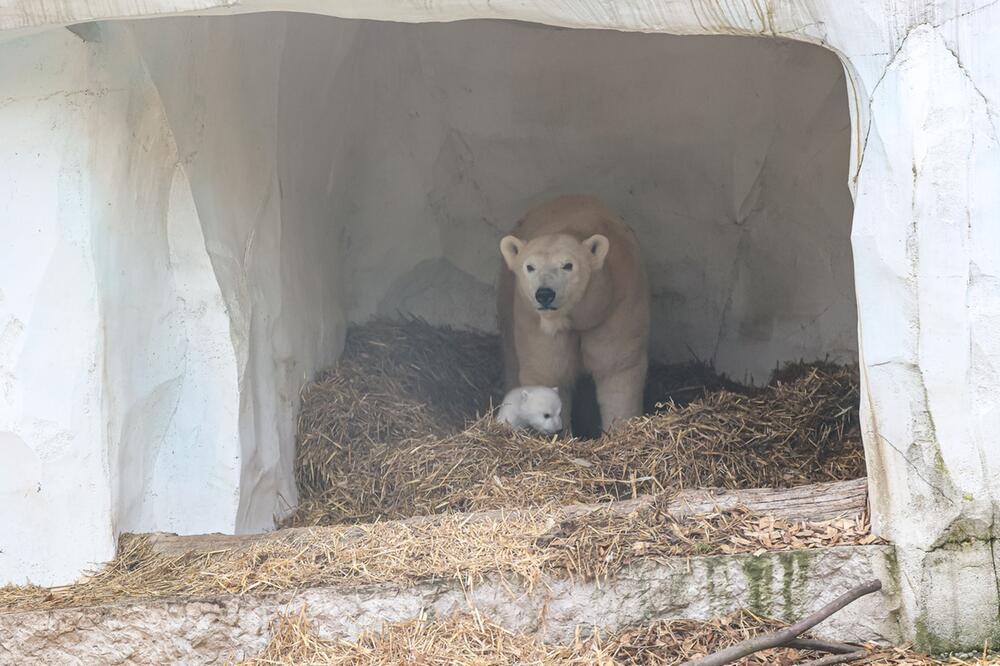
<point x="814" y="502"/>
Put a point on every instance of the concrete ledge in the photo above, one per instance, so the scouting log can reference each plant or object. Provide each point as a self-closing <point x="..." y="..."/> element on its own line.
<point x="214" y="629"/>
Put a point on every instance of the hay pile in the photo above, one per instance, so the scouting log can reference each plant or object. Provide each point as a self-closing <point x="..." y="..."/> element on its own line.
<point x="519" y="546"/>
<point x="461" y="640"/>
<point x="395" y="381"/>
<point x="387" y="436"/>
<point x="392" y="432"/>
<point x="469" y="639"/>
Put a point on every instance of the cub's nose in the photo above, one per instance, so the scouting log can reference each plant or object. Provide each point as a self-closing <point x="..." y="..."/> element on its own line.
<point x="545" y="296"/>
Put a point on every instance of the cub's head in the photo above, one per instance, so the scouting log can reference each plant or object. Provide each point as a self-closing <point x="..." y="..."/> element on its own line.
<point x="541" y="407"/>
<point x="553" y="271"/>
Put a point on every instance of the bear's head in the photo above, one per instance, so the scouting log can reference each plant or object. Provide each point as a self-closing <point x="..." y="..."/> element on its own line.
<point x="541" y="407"/>
<point x="553" y="271"/>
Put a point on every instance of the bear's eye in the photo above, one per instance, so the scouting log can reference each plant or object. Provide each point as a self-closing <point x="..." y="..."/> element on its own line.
<point x="547" y="415"/>
<point x="529" y="268"/>
<point x="567" y="266"/>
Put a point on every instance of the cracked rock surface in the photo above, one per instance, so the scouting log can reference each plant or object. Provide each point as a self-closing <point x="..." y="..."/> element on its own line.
<point x="168" y="283"/>
<point x="217" y="629"/>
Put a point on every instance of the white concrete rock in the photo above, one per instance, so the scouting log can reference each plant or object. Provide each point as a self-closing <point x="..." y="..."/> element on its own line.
<point x="216" y="630"/>
<point x="194" y="208"/>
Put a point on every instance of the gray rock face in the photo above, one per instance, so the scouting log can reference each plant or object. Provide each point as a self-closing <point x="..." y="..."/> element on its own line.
<point x="442" y="294"/>
<point x="210" y="631"/>
<point x="198" y="207"/>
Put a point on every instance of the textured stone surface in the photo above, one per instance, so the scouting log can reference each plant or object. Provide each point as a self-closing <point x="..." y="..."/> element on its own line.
<point x="154" y="328"/>
<point x="440" y="293"/>
<point x="211" y="630"/>
<point x="260" y="179"/>
<point x="922" y="82"/>
<point x="456" y="148"/>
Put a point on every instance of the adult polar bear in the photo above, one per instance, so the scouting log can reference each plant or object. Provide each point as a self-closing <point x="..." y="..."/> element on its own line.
<point x="574" y="299"/>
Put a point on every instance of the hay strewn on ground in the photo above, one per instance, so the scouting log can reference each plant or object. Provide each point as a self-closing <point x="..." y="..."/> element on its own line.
<point x="395" y="381"/>
<point x="521" y="545"/>
<point x="469" y="639"/>
<point x="384" y="435"/>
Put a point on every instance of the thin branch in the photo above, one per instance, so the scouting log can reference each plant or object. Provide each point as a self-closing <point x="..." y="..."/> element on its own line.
<point x="837" y="658"/>
<point x="785" y="636"/>
<point x="823" y="646"/>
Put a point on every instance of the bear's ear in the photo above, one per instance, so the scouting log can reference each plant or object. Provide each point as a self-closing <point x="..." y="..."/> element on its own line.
<point x="510" y="247"/>
<point x="556" y="389"/>
<point x="524" y="395"/>
<point x="598" y="247"/>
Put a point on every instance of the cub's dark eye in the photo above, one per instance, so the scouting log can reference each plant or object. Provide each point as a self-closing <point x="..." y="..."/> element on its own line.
<point x="567" y="266"/>
<point x="530" y="268"/>
<point x="547" y="415"/>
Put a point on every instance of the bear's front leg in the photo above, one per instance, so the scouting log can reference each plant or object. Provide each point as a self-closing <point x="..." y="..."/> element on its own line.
<point x="619" y="395"/>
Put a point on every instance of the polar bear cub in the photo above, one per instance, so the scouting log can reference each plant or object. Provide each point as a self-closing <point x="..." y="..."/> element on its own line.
<point x="536" y="407"/>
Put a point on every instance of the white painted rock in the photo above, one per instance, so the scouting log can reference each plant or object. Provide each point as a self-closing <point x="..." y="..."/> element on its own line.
<point x="193" y="209"/>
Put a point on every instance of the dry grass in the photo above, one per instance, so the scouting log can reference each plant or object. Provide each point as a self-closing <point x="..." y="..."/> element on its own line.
<point x="384" y="435"/>
<point x="598" y="545"/>
<point x="520" y="546"/>
<point x="396" y="380"/>
<point x="469" y="639"/>
<point x="459" y="640"/>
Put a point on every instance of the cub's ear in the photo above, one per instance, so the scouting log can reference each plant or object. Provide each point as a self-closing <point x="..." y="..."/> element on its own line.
<point x="556" y="389"/>
<point x="510" y="247"/>
<point x="524" y="395"/>
<point x="598" y="246"/>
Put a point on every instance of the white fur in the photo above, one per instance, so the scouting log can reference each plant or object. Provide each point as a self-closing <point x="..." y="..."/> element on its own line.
<point x="594" y="318"/>
<point x="536" y="407"/>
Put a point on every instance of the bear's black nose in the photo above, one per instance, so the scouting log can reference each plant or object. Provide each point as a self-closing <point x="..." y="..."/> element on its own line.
<point x="545" y="296"/>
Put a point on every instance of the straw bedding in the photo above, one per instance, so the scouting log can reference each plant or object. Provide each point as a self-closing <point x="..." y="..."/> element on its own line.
<point x="517" y="545"/>
<point x="401" y="428"/>
<point x="469" y="639"/>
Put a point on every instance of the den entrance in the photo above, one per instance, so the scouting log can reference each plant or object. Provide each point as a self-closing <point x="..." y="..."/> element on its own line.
<point x="727" y="156"/>
<point x="394" y="159"/>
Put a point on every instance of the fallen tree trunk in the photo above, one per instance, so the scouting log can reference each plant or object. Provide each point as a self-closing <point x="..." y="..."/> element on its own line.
<point x="814" y="502"/>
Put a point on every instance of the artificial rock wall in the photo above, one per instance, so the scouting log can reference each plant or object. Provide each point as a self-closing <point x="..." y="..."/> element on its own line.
<point x="408" y="151"/>
<point x="726" y="155"/>
<point x="922" y="84"/>
<point x="242" y="186"/>
<point x="412" y="149"/>
<point x="156" y="329"/>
